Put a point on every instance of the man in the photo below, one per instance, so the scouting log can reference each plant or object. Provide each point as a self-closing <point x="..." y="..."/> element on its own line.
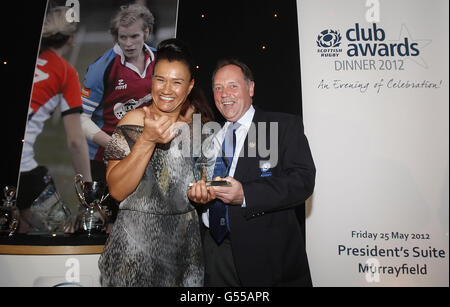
<point x="119" y="81"/>
<point x="263" y="244"/>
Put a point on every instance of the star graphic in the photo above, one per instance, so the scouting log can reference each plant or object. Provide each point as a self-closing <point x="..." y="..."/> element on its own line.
<point x="421" y="44"/>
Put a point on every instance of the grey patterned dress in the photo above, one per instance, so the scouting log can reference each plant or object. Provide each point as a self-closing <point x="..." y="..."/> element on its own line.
<point x="155" y="240"/>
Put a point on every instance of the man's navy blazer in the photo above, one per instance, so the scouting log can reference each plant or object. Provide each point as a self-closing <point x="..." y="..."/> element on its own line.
<point x="267" y="240"/>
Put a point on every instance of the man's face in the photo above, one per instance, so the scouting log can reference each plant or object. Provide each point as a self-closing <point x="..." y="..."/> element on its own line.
<point x="131" y="40"/>
<point x="232" y="94"/>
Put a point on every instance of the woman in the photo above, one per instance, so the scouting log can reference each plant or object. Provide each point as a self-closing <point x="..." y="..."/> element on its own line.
<point x="155" y="240"/>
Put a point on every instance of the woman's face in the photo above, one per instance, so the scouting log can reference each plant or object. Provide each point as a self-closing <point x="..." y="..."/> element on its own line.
<point x="171" y="84"/>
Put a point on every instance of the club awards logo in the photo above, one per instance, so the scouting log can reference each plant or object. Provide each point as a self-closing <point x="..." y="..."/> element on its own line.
<point x="368" y="48"/>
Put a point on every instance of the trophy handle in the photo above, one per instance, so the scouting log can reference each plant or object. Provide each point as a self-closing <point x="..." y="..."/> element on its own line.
<point x="100" y="209"/>
<point x="78" y="183"/>
<point x="9" y="192"/>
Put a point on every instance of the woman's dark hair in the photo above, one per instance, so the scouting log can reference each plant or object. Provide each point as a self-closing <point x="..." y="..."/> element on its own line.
<point x="198" y="100"/>
<point x="175" y="50"/>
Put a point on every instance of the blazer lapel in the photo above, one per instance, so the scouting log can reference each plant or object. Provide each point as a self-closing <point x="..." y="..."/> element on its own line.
<point x="246" y="165"/>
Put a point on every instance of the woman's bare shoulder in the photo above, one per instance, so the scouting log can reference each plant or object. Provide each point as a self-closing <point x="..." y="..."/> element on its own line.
<point x="133" y="117"/>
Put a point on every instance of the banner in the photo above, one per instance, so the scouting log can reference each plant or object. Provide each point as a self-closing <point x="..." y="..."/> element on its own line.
<point x="375" y="93"/>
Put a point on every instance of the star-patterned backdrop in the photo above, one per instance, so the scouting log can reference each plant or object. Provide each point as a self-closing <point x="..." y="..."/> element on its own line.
<point x="21" y="24"/>
<point x="262" y="33"/>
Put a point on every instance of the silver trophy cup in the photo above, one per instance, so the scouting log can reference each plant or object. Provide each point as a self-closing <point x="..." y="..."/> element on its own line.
<point x="92" y="217"/>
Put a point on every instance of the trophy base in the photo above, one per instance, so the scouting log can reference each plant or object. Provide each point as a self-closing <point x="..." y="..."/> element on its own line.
<point x="90" y="234"/>
<point x="218" y="183"/>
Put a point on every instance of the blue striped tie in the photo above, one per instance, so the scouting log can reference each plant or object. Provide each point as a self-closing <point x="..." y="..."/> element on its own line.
<point x="218" y="212"/>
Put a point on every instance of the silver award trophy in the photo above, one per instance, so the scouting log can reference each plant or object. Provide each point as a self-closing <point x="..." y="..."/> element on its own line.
<point x="203" y="166"/>
<point x="48" y="213"/>
<point x="92" y="217"/>
<point x="9" y="213"/>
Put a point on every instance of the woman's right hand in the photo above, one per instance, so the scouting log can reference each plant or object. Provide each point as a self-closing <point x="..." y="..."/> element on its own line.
<point x="157" y="129"/>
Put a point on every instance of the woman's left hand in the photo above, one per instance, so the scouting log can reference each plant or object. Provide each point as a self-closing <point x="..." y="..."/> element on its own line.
<point x="157" y="129"/>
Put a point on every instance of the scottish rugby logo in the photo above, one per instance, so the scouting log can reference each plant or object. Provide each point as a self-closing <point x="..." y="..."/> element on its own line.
<point x="329" y="42"/>
<point x="329" y="38"/>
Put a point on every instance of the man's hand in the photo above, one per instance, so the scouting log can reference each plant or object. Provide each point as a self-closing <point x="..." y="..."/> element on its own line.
<point x="202" y="194"/>
<point x="233" y="195"/>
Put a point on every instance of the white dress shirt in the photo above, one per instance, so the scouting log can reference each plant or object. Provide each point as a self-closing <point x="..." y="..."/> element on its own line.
<point x="241" y="133"/>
